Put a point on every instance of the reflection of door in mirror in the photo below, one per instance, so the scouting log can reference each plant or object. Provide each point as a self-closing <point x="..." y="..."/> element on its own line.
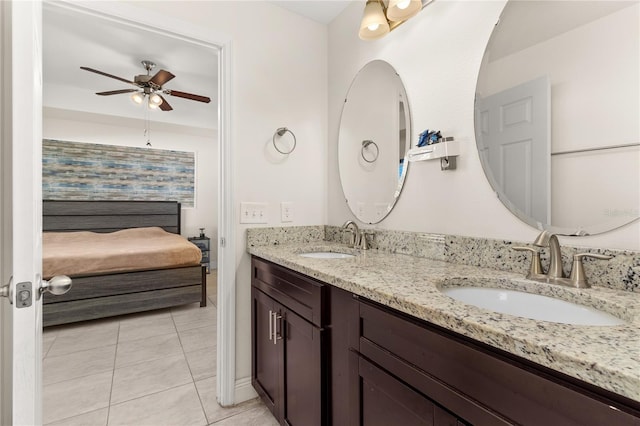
<point x="374" y="137"/>
<point x="513" y="135"/>
<point x="590" y="51"/>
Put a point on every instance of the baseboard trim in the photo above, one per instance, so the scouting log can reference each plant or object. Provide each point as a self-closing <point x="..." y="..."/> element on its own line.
<point x="244" y="391"/>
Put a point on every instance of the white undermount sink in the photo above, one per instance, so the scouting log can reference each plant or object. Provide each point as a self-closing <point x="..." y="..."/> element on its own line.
<point x="533" y="306"/>
<point x="327" y="255"/>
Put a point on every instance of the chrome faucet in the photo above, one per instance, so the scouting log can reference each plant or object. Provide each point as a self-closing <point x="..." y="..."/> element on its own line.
<point x="355" y="232"/>
<point x="548" y="239"/>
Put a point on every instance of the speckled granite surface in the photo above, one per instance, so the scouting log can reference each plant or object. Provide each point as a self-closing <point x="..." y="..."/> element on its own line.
<point x="622" y="272"/>
<point x="608" y="357"/>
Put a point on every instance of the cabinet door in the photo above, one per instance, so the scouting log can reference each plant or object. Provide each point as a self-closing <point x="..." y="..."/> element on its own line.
<point x="385" y="400"/>
<point x="382" y="399"/>
<point x="266" y="353"/>
<point x="303" y="365"/>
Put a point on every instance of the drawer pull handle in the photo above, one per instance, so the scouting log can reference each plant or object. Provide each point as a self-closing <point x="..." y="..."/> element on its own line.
<point x="271" y="325"/>
<point x="276" y="320"/>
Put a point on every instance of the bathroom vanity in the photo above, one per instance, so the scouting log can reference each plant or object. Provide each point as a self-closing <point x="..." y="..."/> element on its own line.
<point x="371" y="340"/>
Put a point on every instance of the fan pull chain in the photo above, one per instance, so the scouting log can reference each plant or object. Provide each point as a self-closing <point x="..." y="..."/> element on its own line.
<point x="147" y="126"/>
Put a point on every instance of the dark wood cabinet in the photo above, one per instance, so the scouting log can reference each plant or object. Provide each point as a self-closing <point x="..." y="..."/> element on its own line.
<point x="288" y="349"/>
<point x="323" y="356"/>
<point x="413" y="363"/>
<point x="386" y="400"/>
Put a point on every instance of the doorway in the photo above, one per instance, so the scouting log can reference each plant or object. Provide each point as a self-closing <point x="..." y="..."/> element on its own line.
<point x="88" y="123"/>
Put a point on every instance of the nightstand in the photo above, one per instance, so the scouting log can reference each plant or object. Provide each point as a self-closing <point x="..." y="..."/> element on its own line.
<point x="204" y="243"/>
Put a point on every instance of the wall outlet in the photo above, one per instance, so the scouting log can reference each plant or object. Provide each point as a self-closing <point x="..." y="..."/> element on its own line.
<point x="286" y="211"/>
<point x="253" y="212"/>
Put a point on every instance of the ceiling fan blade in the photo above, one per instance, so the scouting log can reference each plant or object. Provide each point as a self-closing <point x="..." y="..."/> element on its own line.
<point x="188" y="96"/>
<point x="116" y="92"/>
<point x="107" y="75"/>
<point x="165" y="105"/>
<point x="161" y="77"/>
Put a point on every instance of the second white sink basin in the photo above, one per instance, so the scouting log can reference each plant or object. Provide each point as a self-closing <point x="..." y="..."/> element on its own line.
<point x="533" y="306"/>
<point x="327" y="255"/>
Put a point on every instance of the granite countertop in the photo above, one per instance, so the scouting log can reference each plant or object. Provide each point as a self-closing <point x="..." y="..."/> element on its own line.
<point x="605" y="356"/>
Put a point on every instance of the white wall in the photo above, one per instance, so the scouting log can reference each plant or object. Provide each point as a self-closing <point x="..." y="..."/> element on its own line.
<point x="438" y="55"/>
<point x="93" y="128"/>
<point x="279" y="79"/>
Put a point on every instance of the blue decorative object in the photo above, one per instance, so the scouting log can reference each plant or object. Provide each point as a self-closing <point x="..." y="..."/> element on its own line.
<point x="429" y="137"/>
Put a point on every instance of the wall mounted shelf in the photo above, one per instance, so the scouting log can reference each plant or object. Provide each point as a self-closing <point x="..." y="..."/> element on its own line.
<point x="447" y="148"/>
<point x="446" y="151"/>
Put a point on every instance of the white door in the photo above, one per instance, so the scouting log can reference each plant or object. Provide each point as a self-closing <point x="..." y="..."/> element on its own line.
<point x="514" y="138"/>
<point x="21" y="212"/>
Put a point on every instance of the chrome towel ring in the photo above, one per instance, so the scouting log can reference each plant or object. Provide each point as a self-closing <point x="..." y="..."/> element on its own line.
<point x="366" y="144"/>
<point x="280" y="132"/>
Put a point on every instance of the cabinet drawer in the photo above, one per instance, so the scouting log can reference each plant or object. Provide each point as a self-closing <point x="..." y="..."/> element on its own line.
<point x="467" y="377"/>
<point x="303" y="295"/>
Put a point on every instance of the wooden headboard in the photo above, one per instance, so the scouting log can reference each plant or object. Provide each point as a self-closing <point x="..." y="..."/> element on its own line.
<point x="109" y="216"/>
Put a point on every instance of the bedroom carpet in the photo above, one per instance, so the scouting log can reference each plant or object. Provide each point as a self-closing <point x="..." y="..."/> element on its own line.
<point x="155" y="368"/>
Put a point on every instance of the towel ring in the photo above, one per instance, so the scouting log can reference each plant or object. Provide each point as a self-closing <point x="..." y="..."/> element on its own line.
<point x="280" y="132"/>
<point x="365" y="144"/>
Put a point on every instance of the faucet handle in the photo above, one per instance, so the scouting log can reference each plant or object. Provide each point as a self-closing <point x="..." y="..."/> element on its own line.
<point x="536" y="266"/>
<point x="364" y="244"/>
<point x="578" y="278"/>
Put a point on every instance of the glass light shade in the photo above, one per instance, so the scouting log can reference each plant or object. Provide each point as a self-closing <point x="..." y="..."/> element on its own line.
<point x="155" y="100"/>
<point x="137" y="97"/>
<point x="401" y="10"/>
<point x="153" y="106"/>
<point x="374" y="24"/>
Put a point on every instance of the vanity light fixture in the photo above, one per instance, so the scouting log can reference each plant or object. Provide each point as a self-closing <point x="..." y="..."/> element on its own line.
<point x="382" y="16"/>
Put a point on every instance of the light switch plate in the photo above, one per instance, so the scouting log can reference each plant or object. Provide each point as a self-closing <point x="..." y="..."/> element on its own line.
<point x="251" y="212"/>
<point x="286" y="211"/>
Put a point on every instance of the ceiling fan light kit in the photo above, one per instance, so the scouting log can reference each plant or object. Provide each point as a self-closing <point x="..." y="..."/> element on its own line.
<point x="149" y="88"/>
<point x="382" y="16"/>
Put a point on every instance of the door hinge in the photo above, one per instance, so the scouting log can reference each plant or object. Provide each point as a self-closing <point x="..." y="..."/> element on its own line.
<point x="222" y="242"/>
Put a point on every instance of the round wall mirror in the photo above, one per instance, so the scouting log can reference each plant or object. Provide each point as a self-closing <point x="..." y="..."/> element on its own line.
<point x="374" y="137"/>
<point x="557" y="115"/>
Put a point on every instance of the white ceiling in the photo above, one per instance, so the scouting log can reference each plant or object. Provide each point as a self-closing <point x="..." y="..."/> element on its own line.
<point x="71" y="40"/>
<point x="323" y="11"/>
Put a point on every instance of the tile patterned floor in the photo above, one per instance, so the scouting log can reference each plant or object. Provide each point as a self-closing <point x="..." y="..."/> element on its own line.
<point x="155" y="368"/>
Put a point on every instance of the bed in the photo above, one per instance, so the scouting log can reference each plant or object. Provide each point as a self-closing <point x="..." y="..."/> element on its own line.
<point x="139" y="287"/>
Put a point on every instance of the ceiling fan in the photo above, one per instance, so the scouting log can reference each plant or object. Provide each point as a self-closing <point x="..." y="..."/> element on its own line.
<point x="150" y="86"/>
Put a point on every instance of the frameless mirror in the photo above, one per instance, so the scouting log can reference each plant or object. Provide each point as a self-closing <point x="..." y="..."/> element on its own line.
<point x="558" y="113"/>
<point x="373" y="140"/>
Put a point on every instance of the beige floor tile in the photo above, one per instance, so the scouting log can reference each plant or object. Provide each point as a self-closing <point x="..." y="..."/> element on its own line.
<point x="207" y="391"/>
<point x="195" y="318"/>
<point x="173" y="407"/>
<point x="145" y="317"/>
<point x="202" y="363"/>
<point x="70" y="341"/>
<point x="143" y="327"/>
<point x="78" y="364"/>
<point x="77" y="396"/>
<point x="94" y="418"/>
<point x="258" y="416"/>
<point x="47" y="342"/>
<point x="150" y="377"/>
<point x="198" y="338"/>
<point x="86" y="326"/>
<point x="148" y="349"/>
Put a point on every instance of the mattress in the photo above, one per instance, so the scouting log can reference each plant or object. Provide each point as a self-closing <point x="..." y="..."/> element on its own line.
<point x="136" y="249"/>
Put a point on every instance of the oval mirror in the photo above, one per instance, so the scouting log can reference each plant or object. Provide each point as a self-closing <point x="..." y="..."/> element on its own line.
<point x="557" y="116"/>
<point x="374" y="137"/>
